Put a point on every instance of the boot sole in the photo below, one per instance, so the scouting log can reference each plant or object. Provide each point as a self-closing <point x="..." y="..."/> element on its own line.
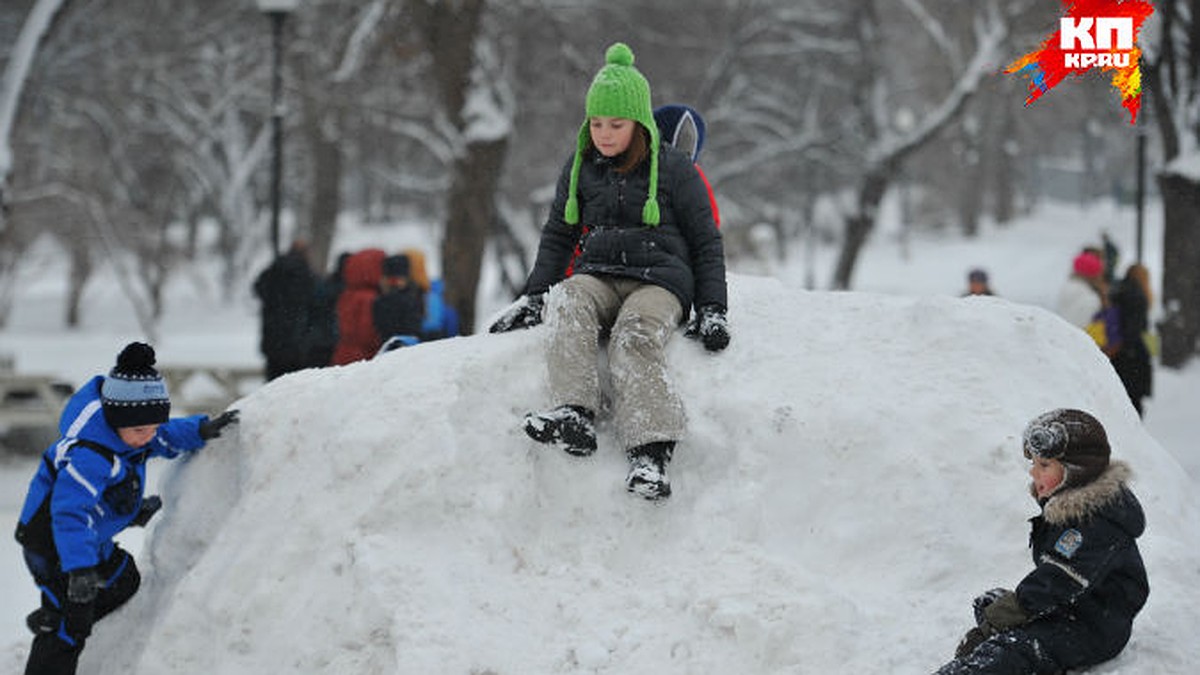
<point x="541" y="432"/>
<point x="649" y="490"/>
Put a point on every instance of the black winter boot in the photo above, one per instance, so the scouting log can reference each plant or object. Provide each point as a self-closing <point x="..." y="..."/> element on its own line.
<point x="43" y="620"/>
<point x="648" y="470"/>
<point x="568" y="426"/>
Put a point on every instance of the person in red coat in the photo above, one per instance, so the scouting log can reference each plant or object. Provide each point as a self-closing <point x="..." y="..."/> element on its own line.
<point x="357" y="337"/>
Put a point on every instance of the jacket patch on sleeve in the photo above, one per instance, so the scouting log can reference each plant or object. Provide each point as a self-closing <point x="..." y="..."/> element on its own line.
<point x="1069" y="542"/>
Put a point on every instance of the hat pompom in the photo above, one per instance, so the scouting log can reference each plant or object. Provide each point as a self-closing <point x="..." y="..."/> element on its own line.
<point x="619" y="54"/>
<point x="137" y="357"/>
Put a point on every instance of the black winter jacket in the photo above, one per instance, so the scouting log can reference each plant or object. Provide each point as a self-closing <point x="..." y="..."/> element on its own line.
<point x="286" y="290"/>
<point x="683" y="253"/>
<point x="1089" y="569"/>
<point x="1132" y="359"/>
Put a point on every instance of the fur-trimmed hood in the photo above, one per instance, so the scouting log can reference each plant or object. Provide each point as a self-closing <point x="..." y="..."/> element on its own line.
<point x="1102" y="494"/>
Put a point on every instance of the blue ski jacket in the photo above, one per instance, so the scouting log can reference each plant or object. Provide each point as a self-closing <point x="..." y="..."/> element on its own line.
<point x="89" y="497"/>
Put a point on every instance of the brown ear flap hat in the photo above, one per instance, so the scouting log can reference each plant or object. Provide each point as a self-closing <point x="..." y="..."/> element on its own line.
<point x="1074" y="438"/>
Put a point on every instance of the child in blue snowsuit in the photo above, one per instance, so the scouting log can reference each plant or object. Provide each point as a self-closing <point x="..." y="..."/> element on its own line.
<point x="88" y="488"/>
<point x="1076" y="608"/>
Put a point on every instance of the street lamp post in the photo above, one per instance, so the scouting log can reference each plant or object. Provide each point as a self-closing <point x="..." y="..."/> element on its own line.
<point x="276" y="11"/>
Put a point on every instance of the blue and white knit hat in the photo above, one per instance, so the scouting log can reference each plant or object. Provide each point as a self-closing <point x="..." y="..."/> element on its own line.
<point x="134" y="393"/>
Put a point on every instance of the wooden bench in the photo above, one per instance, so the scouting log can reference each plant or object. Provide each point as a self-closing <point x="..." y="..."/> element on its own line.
<point x="208" y="388"/>
<point x="29" y="410"/>
<point x="30" y="405"/>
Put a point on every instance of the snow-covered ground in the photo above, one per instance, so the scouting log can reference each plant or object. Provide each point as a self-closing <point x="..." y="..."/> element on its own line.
<point x="852" y="477"/>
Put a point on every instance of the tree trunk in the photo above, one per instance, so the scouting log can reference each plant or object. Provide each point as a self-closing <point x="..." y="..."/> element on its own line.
<point x="1180" y="327"/>
<point x="326" y="195"/>
<point x="452" y="31"/>
<point x="860" y="223"/>
<point x="971" y="190"/>
<point x="80" y="271"/>
<point x="1003" y="168"/>
<point x="470" y="212"/>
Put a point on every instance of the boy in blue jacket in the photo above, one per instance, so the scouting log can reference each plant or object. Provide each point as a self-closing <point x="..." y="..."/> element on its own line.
<point x="1076" y="608"/>
<point x="88" y="488"/>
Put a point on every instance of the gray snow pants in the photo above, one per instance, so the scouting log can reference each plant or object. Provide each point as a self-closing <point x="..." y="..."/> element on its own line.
<point x="639" y="318"/>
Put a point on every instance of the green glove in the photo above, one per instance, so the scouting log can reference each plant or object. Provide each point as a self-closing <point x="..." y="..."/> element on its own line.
<point x="1005" y="612"/>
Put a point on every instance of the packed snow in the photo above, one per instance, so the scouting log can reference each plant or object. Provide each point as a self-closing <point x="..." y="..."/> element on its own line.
<point x="852" y="477"/>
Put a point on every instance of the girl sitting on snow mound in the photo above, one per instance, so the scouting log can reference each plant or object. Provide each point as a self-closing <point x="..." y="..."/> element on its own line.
<point x="650" y="253"/>
<point x="1076" y="608"/>
<point x="88" y="488"/>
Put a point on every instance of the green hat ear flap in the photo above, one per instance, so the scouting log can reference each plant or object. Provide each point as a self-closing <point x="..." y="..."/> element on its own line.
<point x="571" y="210"/>
<point x="650" y="214"/>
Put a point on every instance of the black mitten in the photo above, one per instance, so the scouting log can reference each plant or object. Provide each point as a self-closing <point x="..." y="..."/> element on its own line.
<point x="80" y="609"/>
<point x="712" y="328"/>
<point x="150" y="506"/>
<point x="83" y="585"/>
<point x="211" y="428"/>
<point x="526" y="312"/>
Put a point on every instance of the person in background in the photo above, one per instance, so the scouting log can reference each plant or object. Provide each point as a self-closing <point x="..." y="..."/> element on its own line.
<point x="285" y="289"/>
<point x="441" y="320"/>
<point x="89" y="487"/>
<point x="977" y="283"/>
<point x="683" y="127"/>
<point x="1084" y="294"/>
<point x="322" y="315"/>
<point x="651" y="252"/>
<point x="357" y="338"/>
<point x="399" y="307"/>
<point x="1131" y="297"/>
<point x="1076" y="608"/>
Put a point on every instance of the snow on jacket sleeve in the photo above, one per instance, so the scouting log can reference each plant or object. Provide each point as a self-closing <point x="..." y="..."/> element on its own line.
<point x="75" y="507"/>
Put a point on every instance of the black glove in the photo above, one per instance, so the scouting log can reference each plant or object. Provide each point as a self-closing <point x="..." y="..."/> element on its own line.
<point x="79" y="612"/>
<point x="1005" y="612"/>
<point x="211" y="428"/>
<point x="83" y="585"/>
<point x="526" y="312"/>
<point x="710" y="327"/>
<point x="150" y="506"/>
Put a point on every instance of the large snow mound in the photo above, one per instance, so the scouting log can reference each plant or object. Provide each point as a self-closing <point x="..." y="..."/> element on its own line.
<point x="851" y="478"/>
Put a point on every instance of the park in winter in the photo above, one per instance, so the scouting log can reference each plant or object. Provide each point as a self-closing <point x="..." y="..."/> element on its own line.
<point x="867" y="222"/>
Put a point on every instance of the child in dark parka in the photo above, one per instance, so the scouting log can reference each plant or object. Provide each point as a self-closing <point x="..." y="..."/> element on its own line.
<point x="1076" y="608"/>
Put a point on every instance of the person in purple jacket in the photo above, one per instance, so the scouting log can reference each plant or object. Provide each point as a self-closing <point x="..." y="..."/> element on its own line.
<point x="88" y="488"/>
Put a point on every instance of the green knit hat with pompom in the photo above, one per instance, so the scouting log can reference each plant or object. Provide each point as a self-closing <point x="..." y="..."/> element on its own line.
<point x="618" y="90"/>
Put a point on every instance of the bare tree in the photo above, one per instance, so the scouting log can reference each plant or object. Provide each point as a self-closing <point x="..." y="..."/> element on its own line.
<point x="18" y="63"/>
<point x="1171" y="68"/>
<point x="478" y="106"/>
<point x="445" y="110"/>
<point x="887" y="147"/>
